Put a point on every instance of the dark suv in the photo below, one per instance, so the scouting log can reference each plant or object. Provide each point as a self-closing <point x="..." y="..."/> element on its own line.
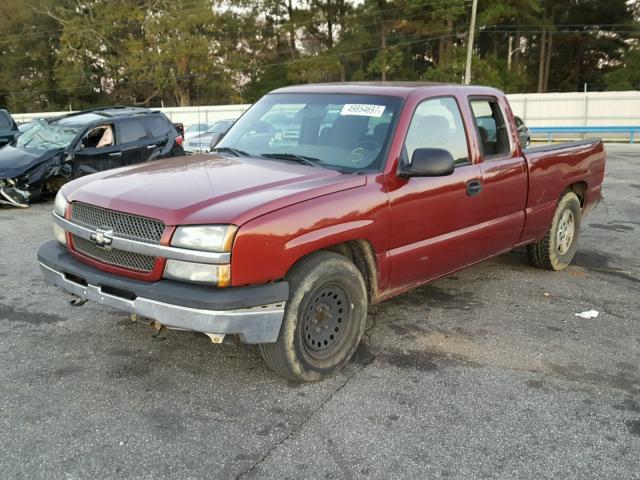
<point x="60" y="149"/>
<point x="8" y="128"/>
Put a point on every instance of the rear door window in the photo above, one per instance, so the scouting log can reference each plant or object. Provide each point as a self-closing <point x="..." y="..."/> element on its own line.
<point x="491" y="127"/>
<point x="157" y="125"/>
<point x="131" y="130"/>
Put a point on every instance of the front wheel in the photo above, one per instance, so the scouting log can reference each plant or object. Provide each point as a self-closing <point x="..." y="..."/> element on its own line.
<point x="324" y="319"/>
<point x="558" y="247"/>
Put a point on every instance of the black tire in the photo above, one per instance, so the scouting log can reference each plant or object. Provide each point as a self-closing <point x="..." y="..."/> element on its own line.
<point x="324" y="319"/>
<point x="35" y="194"/>
<point x="555" y="251"/>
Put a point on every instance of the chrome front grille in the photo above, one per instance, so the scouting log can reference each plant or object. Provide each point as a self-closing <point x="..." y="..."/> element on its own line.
<point x="122" y="224"/>
<point x="119" y="258"/>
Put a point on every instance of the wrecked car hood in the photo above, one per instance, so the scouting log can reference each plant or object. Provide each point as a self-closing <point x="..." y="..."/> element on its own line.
<point x="16" y="161"/>
<point x="208" y="188"/>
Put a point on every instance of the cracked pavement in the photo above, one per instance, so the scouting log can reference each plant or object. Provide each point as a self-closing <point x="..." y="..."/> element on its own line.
<point x="487" y="373"/>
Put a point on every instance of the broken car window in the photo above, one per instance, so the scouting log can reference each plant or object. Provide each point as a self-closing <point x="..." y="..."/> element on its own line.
<point x="45" y="136"/>
<point x="107" y="137"/>
<point x="98" y="137"/>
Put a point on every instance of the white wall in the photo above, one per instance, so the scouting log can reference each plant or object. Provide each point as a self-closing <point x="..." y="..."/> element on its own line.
<point x="536" y="109"/>
<point x="595" y="109"/>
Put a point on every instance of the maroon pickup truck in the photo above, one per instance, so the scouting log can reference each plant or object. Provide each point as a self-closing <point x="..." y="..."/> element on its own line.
<point x="321" y="200"/>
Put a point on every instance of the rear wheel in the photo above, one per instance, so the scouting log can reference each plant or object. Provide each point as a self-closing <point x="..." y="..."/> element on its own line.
<point x="324" y="319"/>
<point x="558" y="247"/>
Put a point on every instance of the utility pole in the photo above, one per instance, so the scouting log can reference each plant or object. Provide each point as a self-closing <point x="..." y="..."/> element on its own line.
<point x="472" y="31"/>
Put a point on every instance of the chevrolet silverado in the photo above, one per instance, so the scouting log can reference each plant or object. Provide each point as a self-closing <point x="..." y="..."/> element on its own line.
<point x="320" y="200"/>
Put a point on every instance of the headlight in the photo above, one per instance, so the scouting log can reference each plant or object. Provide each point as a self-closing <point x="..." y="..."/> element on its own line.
<point x="212" y="238"/>
<point x="218" y="275"/>
<point x="60" y="205"/>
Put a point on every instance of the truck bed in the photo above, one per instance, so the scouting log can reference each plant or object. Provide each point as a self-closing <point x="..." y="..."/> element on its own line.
<point x="554" y="168"/>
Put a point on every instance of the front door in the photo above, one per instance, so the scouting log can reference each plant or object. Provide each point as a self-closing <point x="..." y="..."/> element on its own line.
<point x="434" y="219"/>
<point x="96" y="151"/>
<point x="92" y="160"/>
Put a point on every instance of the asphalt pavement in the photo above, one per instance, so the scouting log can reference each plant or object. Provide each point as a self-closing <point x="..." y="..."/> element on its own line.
<point x="487" y="373"/>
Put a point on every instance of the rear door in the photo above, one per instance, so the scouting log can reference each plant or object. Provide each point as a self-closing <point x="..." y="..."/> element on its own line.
<point x="433" y="219"/>
<point x="135" y="141"/>
<point x="503" y="190"/>
<point x="160" y="133"/>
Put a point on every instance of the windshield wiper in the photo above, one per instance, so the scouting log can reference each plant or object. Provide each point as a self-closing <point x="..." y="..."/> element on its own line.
<point x="234" y="151"/>
<point x="303" y="159"/>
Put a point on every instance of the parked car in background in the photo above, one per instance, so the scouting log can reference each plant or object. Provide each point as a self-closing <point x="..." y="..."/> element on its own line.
<point x="209" y="139"/>
<point x="285" y="240"/>
<point x="523" y="133"/>
<point x="195" y="130"/>
<point x="8" y="128"/>
<point x="180" y="129"/>
<point x="487" y="128"/>
<point x="57" y="150"/>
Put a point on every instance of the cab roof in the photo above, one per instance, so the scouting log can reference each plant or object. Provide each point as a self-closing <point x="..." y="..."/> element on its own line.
<point x="395" y="89"/>
<point x="86" y="117"/>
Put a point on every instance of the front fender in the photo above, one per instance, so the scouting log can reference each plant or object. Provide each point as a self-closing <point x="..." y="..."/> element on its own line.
<point x="267" y="247"/>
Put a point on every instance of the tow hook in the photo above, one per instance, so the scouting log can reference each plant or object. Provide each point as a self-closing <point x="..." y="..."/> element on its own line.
<point x="77" y="301"/>
<point x="216" y="338"/>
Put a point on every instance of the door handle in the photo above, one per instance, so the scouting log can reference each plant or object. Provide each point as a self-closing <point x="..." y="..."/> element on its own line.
<point x="151" y="147"/>
<point x="474" y="187"/>
<point x="115" y="154"/>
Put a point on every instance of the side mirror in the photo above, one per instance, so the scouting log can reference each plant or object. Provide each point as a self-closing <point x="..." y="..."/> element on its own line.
<point x="428" y="162"/>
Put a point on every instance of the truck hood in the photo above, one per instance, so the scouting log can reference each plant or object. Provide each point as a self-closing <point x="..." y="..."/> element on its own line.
<point x="208" y="189"/>
<point x="16" y="161"/>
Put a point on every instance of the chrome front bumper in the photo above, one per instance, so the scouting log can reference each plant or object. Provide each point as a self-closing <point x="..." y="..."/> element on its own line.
<point x="253" y="324"/>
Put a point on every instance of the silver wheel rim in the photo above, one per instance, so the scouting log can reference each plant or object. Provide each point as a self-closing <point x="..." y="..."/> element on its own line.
<point x="566" y="231"/>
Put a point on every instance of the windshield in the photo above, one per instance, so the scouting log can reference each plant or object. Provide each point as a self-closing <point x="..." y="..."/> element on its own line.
<point x="345" y="132"/>
<point x="44" y="136"/>
<point x="198" y="127"/>
<point x="219" y="127"/>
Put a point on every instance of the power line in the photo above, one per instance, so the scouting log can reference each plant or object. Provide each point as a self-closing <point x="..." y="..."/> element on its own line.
<point x="194" y="14"/>
<point x="303" y="59"/>
<point x="263" y="66"/>
<point x="258" y="44"/>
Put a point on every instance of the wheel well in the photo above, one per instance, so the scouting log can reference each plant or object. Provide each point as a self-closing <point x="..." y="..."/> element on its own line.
<point x="361" y="253"/>
<point x="580" y="189"/>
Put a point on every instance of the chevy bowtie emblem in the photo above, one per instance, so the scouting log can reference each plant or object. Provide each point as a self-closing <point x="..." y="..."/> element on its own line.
<point x="102" y="238"/>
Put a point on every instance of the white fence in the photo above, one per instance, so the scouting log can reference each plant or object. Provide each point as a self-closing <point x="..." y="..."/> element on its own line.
<point x="595" y="109"/>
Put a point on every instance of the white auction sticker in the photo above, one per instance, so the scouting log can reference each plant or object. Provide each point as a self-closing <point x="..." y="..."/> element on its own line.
<point x="362" y="109"/>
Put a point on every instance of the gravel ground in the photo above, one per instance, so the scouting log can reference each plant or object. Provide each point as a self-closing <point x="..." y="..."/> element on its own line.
<point x="487" y="373"/>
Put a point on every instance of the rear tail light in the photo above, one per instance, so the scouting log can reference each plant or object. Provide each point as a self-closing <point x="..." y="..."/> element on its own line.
<point x="179" y="140"/>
